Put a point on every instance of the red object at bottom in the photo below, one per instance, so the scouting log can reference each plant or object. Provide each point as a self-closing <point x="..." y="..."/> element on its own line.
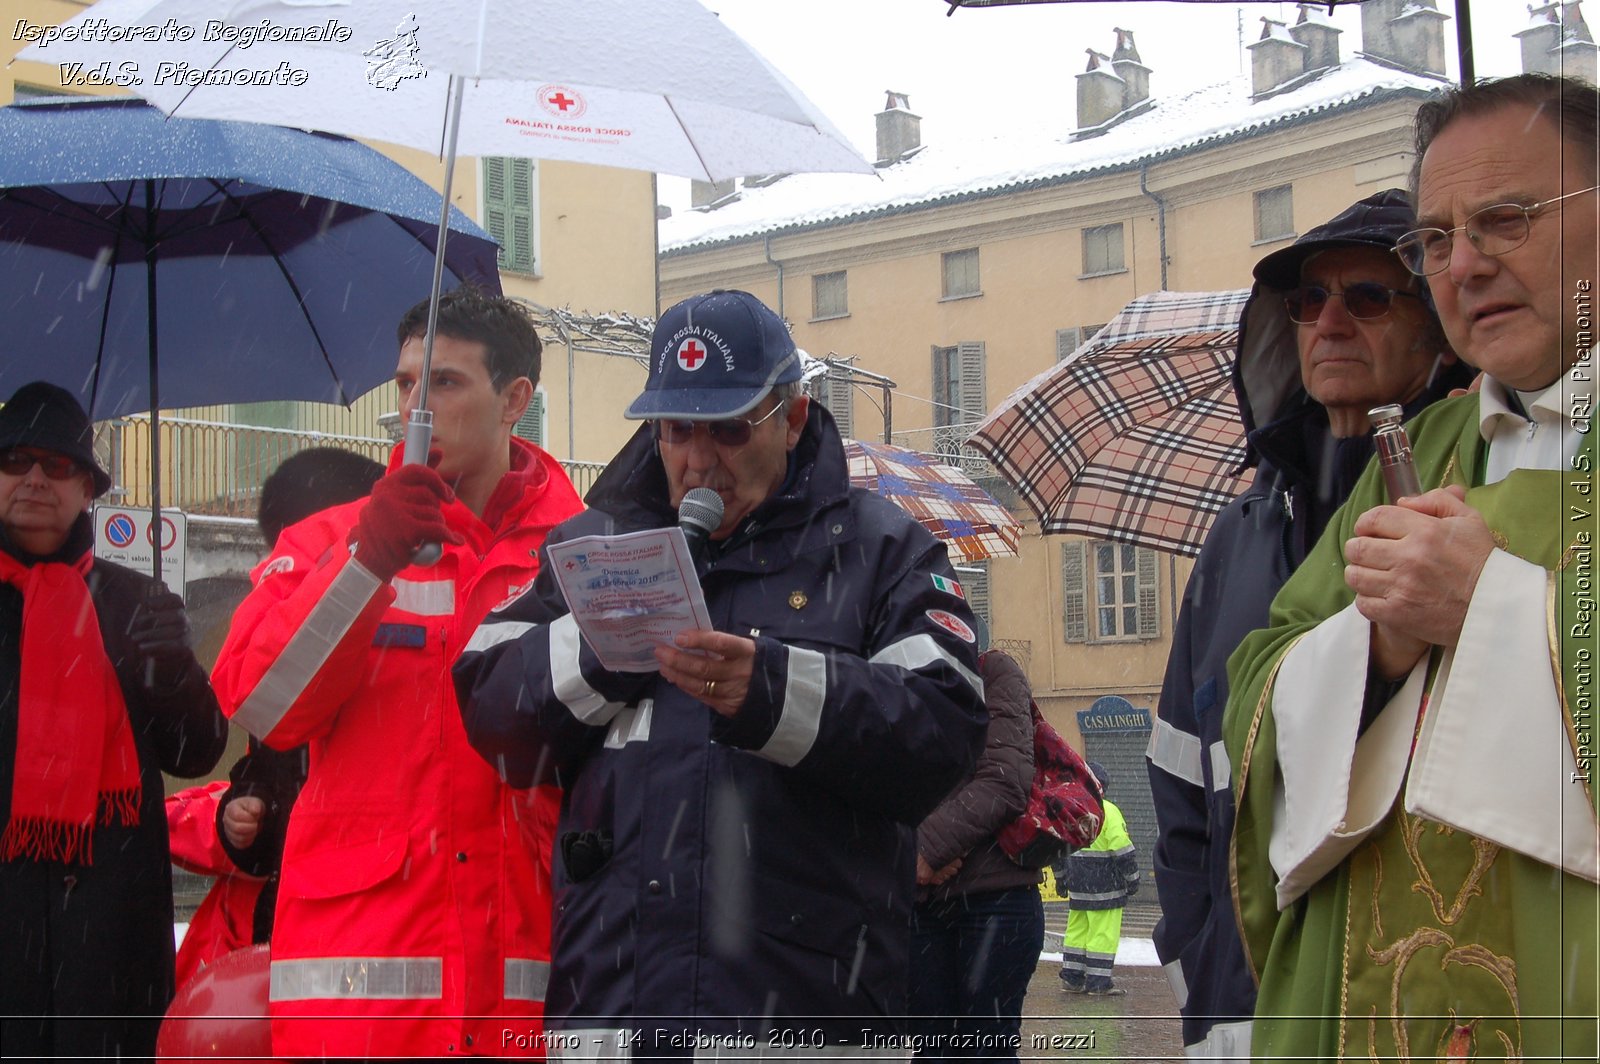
<point x="221" y="1013"/>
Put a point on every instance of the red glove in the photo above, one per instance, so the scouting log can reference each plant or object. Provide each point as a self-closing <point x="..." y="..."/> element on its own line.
<point x="403" y="513"/>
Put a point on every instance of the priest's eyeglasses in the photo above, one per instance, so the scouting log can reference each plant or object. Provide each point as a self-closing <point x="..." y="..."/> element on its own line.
<point x="1494" y="230"/>
<point x="1362" y="300"/>
<point x="729" y="432"/>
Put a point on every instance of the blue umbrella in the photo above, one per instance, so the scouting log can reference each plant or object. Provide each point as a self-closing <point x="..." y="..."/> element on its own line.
<point x="149" y="262"/>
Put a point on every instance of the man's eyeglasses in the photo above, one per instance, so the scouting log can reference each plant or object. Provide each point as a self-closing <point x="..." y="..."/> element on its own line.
<point x="16" y="463"/>
<point x="1363" y="299"/>
<point x="1494" y="231"/>
<point x="729" y="432"/>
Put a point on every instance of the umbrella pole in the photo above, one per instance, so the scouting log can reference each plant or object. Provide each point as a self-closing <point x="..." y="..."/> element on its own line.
<point x="1464" y="42"/>
<point x="419" y="430"/>
<point x="155" y="391"/>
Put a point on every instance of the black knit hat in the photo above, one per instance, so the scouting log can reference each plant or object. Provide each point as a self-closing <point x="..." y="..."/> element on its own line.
<point x="1101" y="774"/>
<point x="1375" y="222"/>
<point x="48" y="417"/>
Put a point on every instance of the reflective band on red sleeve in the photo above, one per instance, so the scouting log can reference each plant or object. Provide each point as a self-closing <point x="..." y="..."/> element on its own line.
<point x="307" y="650"/>
<point x="358" y="978"/>
<point x="526" y="980"/>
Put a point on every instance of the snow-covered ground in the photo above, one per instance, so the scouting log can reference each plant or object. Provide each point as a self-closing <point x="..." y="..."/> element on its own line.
<point x="1131" y="953"/>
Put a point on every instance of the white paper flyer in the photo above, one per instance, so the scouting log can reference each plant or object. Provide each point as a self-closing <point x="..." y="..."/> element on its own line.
<point x="630" y="593"/>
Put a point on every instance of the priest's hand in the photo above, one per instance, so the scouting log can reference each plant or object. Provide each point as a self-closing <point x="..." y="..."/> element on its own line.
<point x="1413" y="567"/>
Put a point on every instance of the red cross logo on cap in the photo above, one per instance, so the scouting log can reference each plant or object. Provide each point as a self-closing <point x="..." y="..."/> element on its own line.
<point x="691" y="354"/>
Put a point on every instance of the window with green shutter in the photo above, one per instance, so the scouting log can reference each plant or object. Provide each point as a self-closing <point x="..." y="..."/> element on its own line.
<point x="959" y="274"/>
<point x="1110" y="592"/>
<point x="974" y="578"/>
<point x="960" y="398"/>
<point x="1074" y="615"/>
<point x="840" y="400"/>
<point x="508" y="209"/>
<point x="531" y="425"/>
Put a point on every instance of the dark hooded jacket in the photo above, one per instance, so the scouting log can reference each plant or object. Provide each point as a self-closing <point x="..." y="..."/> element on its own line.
<point x="1302" y="476"/>
<point x="86" y="950"/>
<point x="747" y="876"/>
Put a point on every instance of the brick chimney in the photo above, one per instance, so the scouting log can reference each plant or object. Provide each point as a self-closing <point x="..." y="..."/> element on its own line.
<point x="1319" y="35"/>
<point x="1127" y="65"/>
<point x="1100" y="91"/>
<point x="708" y="196"/>
<point x="1557" y="41"/>
<point x="1578" y="58"/>
<point x="1275" y="59"/>
<point x="899" y="131"/>
<point x="1405" y="33"/>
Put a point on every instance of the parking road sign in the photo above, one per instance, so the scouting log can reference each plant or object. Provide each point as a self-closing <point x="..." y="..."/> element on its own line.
<point x="124" y="535"/>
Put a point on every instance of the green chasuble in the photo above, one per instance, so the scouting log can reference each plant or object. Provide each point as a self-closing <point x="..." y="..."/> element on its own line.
<point x="1427" y="942"/>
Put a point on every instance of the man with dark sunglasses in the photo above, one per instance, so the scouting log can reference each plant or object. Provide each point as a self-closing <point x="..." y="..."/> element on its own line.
<point x="737" y="854"/>
<point x="99" y="695"/>
<point x="1416" y="847"/>
<point x="1334" y="326"/>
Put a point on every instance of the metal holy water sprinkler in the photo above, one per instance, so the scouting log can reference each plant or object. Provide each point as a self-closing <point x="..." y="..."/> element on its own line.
<point x="1394" y="452"/>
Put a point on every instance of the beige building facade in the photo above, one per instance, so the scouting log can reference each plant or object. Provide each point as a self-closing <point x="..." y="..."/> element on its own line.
<point x="962" y="285"/>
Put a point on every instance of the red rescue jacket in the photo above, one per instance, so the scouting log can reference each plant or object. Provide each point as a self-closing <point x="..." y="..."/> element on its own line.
<point x="225" y="920"/>
<point x="414" y="904"/>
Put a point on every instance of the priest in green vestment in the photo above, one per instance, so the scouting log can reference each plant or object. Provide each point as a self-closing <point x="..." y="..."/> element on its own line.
<point x="1416" y="853"/>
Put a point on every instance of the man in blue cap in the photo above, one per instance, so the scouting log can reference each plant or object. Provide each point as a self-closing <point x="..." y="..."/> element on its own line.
<point x="736" y="849"/>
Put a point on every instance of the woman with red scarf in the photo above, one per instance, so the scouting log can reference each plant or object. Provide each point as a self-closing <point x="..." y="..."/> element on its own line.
<point x="99" y="694"/>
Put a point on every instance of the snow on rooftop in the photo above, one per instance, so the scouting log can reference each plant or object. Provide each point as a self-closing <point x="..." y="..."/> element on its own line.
<point x="1317" y="15"/>
<point x="1273" y="30"/>
<point x="1544" y="15"/>
<point x="993" y="159"/>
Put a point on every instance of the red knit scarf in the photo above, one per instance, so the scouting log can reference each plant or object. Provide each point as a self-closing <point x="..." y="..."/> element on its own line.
<point x="75" y="751"/>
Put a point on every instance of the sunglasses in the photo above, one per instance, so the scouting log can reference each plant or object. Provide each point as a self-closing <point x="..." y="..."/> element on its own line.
<point x="729" y="432"/>
<point x="16" y="463"/>
<point x="1362" y="300"/>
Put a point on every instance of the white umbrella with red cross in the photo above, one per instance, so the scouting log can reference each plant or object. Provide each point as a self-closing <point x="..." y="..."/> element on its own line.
<point x="661" y="85"/>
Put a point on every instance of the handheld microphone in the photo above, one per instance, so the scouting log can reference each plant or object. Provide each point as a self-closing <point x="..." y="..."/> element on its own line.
<point x="699" y="515"/>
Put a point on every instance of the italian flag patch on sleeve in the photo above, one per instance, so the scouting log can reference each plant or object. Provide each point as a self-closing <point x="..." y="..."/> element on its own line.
<point x="949" y="587"/>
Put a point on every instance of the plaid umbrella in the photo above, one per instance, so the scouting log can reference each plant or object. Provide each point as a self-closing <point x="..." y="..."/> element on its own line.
<point x="1136" y="435"/>
<point x="943" y="498"/>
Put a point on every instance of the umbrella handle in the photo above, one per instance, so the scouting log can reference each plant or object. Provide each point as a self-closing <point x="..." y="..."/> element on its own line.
<point x="419" y="436"/>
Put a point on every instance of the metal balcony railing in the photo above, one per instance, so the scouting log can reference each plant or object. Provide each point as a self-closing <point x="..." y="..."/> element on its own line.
<point x="216" y="469"/>
<point x="948" y="444"/>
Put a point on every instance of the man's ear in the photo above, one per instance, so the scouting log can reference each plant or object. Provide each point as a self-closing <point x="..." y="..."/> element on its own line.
<point x="518" y="394"/>
<point x="795" y="419"/>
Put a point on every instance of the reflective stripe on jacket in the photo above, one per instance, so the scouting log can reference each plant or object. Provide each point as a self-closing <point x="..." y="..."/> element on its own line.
<point x="760" y="867"/>
<point x="415" y="882"/>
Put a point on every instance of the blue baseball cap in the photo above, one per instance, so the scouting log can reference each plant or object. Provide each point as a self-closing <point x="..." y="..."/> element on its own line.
<point x="714" y="356"/>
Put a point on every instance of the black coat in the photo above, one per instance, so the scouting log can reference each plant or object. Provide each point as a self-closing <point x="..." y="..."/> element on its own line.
<point x="97" y="940"/>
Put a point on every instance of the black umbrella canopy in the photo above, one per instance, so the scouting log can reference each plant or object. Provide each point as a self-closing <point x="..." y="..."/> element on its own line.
<point x="1463" y="19"/>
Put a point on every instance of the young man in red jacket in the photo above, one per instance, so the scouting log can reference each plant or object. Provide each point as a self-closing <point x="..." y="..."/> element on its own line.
<point x="413" y="911"/>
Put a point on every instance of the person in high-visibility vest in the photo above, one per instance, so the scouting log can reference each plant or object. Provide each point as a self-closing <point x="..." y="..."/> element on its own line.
<point x="1098" y="881"/>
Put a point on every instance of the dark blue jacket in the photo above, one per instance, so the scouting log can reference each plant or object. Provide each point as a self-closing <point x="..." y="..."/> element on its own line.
<point x="1303" y="475"/>
<point x="750" y="874"/>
